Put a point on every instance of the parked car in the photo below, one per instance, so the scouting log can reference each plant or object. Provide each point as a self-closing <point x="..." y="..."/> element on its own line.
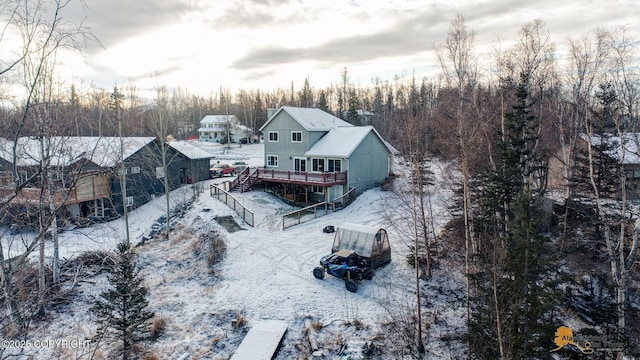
<point x="240" y="166"/>
<point x="220" y="170"/>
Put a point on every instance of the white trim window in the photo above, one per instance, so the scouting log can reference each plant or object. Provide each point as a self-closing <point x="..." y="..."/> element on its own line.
<point x="300" y="164"/>
<point x="129" y="201"/>
<point x="317" y="165"/>
<point x="334" y="165"/>
<point x="135" y="169"/>
<point x="272" y="160"/>
<point x="296" y="136"/>
<point x="273" y="136"/>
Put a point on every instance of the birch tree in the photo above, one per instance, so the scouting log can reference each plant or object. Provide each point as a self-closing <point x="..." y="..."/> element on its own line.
<point x="159" y="126"/>
<point x="34" y="33"/>
<point x="459" y="66"/>
<point x="609" y="127"/>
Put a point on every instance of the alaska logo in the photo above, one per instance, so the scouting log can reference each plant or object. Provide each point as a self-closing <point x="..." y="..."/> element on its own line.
<point x="564" y="337"/>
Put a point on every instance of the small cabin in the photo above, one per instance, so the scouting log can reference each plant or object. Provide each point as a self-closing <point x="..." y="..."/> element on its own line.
<point x="366" y="241"/>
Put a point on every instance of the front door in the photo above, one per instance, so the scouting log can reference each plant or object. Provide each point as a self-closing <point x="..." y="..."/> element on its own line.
<point x="299" y="164"/>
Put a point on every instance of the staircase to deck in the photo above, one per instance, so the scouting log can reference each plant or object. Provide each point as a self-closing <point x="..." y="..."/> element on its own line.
<point x="244" y="180"/>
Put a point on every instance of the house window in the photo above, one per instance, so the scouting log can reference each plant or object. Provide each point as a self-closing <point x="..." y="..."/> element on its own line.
<point x="272" y="160"/>
<point x="296" y="136"/>
<point x="135" y="169"/>
<point x="317" y="189"/>
<point x="300" y="164"/>
<point x="334" y="165"/>
<point x="273" y="136"/>
<point x="129" y="201"/>
<point x="317" y="165"/>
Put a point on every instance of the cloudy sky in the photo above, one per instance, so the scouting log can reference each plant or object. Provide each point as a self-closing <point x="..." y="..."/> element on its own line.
<point x="203" y="45"/>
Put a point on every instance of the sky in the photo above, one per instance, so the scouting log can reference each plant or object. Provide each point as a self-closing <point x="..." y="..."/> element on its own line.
<point x="204" y="46"/>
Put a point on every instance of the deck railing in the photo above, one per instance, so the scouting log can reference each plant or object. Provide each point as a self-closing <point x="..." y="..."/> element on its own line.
<point x="303" y="177"/>
<point x="224" y="196"/>
<point x="305" y="214"/>
<point x="344" y="200"/>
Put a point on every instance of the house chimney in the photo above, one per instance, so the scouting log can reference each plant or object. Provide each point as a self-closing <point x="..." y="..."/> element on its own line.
<point x="271" y="112"/>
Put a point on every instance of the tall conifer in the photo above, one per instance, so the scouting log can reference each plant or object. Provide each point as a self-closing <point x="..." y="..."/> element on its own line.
<point x="121" y="311"/>
<point x="512" y="309"/>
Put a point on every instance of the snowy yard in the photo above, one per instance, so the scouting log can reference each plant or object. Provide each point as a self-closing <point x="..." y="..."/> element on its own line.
<point x="265" y="274"/>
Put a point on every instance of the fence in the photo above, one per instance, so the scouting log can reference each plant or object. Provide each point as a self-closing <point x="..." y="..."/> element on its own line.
<point x="304" y="214"/>
<point x="311" y="212"/>
<point x="344" y="200"/>
<point x="224" y="196"/>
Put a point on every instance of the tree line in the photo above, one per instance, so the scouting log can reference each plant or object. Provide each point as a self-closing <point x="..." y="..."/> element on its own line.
<point x="502" y="127"/>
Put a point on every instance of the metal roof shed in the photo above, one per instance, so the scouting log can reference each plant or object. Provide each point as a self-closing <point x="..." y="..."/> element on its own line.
<point x="366" y="241"/>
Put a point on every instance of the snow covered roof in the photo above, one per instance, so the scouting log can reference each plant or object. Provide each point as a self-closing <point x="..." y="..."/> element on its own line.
<point x="218" y="119"/>
<point x="190" y="151"/>
<point x="312" y="119"/>
<point x="103" y="151"/>
<point x="631" y="146"/>
<point x="342" y="141"/>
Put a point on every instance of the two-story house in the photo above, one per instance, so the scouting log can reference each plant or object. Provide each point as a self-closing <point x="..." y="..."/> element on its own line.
<point x="323" y="154"/>
<point x="215" y="128"/>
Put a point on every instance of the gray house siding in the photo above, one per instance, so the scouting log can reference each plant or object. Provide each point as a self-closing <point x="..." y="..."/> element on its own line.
<point x="367" y="167"/>
<point x="324" y="138"/>
<point x="284" y="148"/>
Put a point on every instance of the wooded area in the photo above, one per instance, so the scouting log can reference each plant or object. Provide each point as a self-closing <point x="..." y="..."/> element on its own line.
<point x="502" y="120"/>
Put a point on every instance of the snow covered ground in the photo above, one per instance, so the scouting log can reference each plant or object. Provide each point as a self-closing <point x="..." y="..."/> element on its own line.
<point x="265" y="274"/>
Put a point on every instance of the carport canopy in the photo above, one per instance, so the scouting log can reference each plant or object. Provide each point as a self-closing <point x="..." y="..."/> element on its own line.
<point x="366" y="241"/>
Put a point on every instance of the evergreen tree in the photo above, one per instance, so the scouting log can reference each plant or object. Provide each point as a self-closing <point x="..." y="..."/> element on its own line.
<point x="340" y="111"/>
<point x="322" y="101"/>
<point x="121" y="311"/>
<point x="604" y="146"/>
<point x="306" y="95"/>
<point x="352" y="109"/>
<point x="414" y="97"/>
<point x="259" y="110"/>
<point x="515" y="296"/>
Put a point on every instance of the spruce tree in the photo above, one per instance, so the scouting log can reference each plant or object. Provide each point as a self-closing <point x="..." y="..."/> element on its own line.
<point x="352" y="108"/>
<point x="322" y="101"/>
<point x="512" y="310"/>
<point x="604" y="145"/>
<point x="121" y="311"/>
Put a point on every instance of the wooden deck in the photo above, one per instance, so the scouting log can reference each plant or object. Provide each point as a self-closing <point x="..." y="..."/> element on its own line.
<point x="303" y="178"/>
<point x="262" y="341"/>
<point x="86" y="188"/>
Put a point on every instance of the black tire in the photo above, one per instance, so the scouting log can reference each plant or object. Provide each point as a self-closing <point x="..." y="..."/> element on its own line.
<point x="351" y="285"/>
<point x="318" y="273"/>
<point x="368" y="275"/>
